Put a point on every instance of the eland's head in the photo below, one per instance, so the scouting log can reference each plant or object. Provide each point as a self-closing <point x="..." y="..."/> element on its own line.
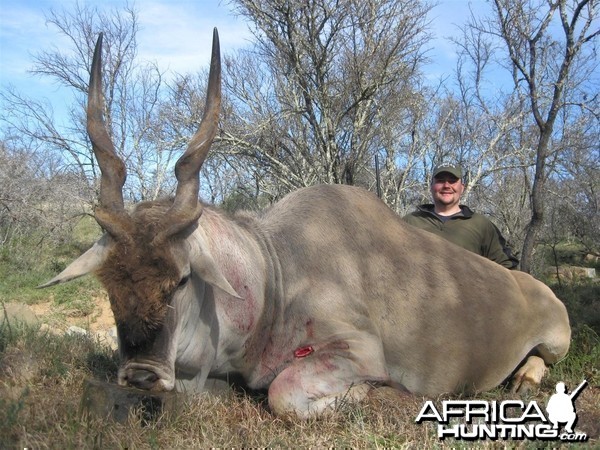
<point x="143" y="259"/>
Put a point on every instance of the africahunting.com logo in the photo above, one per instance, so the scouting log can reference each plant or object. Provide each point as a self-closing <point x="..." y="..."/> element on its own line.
<point x="508" y="419"/>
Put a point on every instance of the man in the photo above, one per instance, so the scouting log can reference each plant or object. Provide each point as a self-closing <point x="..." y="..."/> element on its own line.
<point x="446" y="217"/>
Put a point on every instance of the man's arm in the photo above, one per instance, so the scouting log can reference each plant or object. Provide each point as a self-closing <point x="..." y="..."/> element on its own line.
<point x="499" y="250"/>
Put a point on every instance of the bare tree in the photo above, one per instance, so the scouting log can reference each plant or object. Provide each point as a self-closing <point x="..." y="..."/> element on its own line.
<point x="36" y="202"/>
<point x="576" y="185"/>
<point x="328" y="85"/>
<point x="550" y="66"/>
<point x="547" y="50"/>
<point x="134" y="93"/>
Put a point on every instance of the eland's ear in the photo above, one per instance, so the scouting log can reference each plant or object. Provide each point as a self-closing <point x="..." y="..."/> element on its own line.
<point x="207" y="269"/>
<point x="203" y="264"/>
<point x="86" y="263"/>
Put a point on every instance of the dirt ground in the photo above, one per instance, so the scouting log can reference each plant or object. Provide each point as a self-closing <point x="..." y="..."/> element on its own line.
<point x="99" y="319"/>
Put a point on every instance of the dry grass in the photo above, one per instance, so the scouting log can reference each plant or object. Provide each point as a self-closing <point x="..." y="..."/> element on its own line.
<point x="41" y="380"/>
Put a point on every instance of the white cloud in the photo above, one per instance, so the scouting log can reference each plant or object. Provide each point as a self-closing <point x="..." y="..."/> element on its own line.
<point x="178" y="35"/>
<point x="21" y="31"/>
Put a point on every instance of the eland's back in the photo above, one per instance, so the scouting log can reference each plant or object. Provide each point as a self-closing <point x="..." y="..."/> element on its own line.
<point x="447" y="320"/>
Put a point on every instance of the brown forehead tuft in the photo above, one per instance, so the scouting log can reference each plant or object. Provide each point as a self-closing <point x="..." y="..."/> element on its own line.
<point x="140" y="284"/>
<point x="140" y="277"/>
<point x="139" y="258"/>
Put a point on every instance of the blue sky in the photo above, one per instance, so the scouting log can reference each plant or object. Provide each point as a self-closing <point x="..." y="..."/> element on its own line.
<point x="173" y="33"/>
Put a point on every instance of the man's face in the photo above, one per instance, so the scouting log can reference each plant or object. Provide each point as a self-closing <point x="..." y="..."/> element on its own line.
<point x="446" y="189"/>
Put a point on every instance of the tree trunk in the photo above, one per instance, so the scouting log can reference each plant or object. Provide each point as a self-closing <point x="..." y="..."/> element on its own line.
<point x="537" y="198"/>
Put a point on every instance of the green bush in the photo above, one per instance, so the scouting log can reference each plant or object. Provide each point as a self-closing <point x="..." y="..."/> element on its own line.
<point x="582" y="300"/>
<point x="28" y="262"/>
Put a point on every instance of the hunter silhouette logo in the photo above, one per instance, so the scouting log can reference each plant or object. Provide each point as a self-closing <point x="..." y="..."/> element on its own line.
<point x="561" y="406"/>
<point x="507" y="419"/>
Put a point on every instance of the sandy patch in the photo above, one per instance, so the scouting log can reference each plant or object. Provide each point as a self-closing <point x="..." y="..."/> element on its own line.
<point x="100" y="319"/>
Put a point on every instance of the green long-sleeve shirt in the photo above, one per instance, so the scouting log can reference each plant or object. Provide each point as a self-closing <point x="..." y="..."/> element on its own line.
<point x="467" y="229"/>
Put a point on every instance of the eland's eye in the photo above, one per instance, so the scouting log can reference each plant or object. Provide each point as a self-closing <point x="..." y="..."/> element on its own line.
<point x="183" y="281"/>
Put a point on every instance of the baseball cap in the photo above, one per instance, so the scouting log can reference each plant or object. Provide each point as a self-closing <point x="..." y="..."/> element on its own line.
<point x="454" y="170"/>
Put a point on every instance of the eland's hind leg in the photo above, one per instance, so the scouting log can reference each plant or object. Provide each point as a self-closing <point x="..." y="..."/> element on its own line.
<point x="548" y="326"/>
<point x="530" y="374"/>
